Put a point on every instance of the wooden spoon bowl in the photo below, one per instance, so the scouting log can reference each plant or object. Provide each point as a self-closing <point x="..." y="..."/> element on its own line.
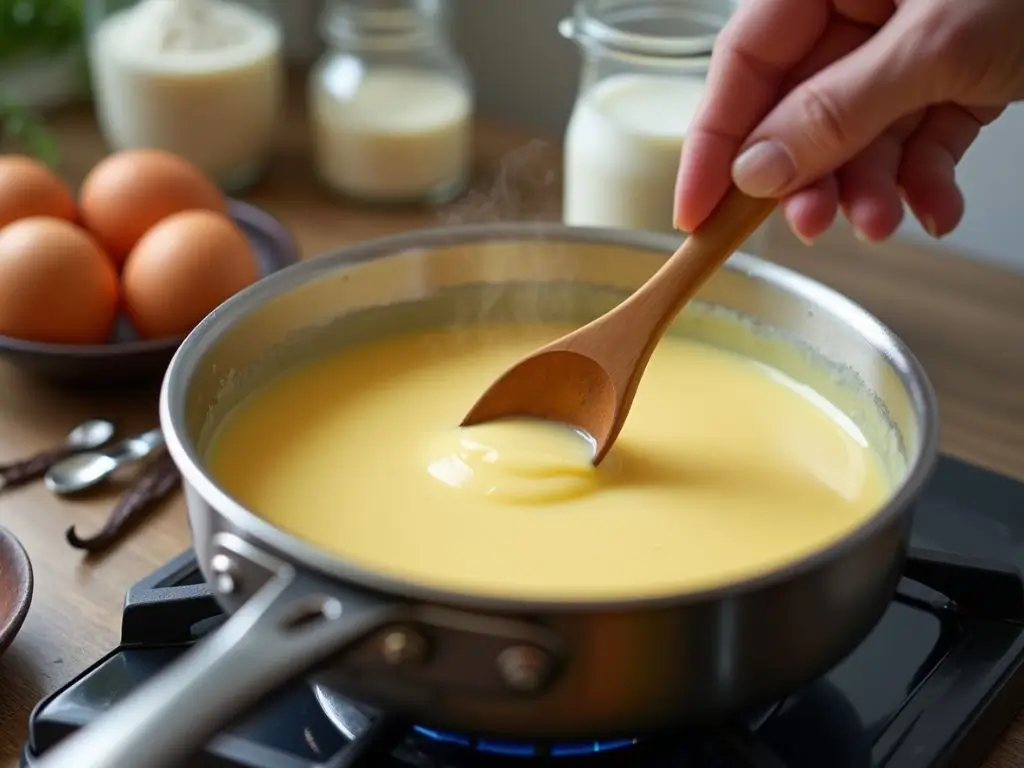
<point x="15" y="587"/>
<point x="588" y="378"/>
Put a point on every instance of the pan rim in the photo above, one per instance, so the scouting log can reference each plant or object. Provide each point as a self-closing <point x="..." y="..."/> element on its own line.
<point x="277" y="541"/>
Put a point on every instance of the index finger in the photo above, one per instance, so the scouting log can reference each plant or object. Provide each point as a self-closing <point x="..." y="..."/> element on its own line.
<point x="753" y="54"/>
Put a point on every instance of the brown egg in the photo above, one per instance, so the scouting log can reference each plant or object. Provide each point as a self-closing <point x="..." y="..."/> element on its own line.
<point x="128" y="192"/>
<point x="56" y="284"/>
<point x="182" y="269"/>
<point x="29" y="188"/>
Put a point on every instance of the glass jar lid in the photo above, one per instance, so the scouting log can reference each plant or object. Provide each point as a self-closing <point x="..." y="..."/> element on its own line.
<point x="381" y="22"/>
<point x="649" y="28"/>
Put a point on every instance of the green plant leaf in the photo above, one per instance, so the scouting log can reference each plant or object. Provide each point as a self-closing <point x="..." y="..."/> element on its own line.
<point x="28" y="129"/>
<point x="39" y="26"/>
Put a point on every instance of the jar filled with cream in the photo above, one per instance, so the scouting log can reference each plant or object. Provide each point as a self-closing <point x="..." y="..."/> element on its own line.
<point x="642" y="80"/>
<point x="203" y="79"/>
<point x="391" y="103"/>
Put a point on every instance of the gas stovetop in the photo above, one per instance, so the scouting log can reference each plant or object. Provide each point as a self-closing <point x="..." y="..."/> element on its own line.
<point x="934" y="685"/>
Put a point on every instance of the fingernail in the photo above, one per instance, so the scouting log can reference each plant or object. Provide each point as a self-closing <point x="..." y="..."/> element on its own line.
<point x="798" y="234"/>
<point x="675" y="205"/>
<point x="764" y="169"/>
<point x="930" y="226"/>
<point x="862" y="236"/>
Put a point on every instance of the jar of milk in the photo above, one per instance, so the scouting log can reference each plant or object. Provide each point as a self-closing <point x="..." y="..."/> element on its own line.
<point x="203" y="79"/>
<point x="391" y="103"/>
<point x="644" y="70"/>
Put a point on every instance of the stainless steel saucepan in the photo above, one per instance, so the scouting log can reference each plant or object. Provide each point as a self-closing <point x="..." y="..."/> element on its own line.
<point x="492" y="666"/>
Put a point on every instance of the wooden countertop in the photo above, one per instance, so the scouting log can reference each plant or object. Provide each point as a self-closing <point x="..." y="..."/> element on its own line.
<point x="964" y="320"/>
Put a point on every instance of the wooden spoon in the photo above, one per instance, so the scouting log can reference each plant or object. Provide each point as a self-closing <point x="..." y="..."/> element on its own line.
<point x="588" y="378"/>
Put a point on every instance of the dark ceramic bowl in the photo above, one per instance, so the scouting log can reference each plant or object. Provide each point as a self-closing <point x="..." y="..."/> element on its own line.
<point x="15" y="587"/>
<point x="126" y="358"/>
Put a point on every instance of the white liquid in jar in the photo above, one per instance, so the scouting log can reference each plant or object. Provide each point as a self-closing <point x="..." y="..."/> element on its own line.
<point x="622" y="151"/>
<point x="200" y="78"/>
<point x="391" y="135"/>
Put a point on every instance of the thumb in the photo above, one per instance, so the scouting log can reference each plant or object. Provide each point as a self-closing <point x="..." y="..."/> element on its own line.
<point x="833" y="115"/>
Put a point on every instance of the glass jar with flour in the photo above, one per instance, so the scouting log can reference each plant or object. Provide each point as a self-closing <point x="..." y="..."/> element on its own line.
<point x="391" y="103"/>
<point x="201" y="78"/>
<point x="644" y="70"/>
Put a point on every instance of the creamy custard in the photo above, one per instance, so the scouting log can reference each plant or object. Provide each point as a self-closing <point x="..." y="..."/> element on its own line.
<point x="724" y="470"/>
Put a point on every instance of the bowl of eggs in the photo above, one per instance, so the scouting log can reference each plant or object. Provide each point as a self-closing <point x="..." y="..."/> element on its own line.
<point x="103" y="288"/>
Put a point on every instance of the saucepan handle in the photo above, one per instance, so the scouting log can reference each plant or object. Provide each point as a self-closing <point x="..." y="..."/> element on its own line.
<point x="286" y="629"/>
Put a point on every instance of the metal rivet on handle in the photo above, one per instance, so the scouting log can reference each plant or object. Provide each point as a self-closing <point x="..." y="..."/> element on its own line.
<point x="524" y="668"/>
<point x="224" y="581"/>
<point x="402" y="645"/>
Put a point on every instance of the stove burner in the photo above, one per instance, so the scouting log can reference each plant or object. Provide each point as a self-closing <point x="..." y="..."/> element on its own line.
<point x="355" y="721"/>
<point x="524" y="748"/>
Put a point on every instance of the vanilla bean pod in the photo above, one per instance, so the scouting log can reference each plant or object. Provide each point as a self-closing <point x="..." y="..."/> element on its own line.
<point x="158" y="480"/>
<point x="25" y="470"/>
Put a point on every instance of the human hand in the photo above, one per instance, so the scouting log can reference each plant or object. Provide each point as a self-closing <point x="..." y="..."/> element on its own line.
<point x="855" y="105"/>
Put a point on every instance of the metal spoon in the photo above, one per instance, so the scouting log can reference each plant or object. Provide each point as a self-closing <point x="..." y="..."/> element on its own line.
<point x="90" y="434"/>
<point x="85" y="470"/>
<point x="87" y="436"/>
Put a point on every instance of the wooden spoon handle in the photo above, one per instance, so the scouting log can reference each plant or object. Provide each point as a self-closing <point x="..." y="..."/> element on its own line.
<point x="703" y="252"/>
<point x="732" y="222"/>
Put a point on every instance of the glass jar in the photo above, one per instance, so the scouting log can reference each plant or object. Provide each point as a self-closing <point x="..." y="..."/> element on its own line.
<point x="644" y="70"/>
<point x="391" y="103"/>
<point x="201" y="78"/>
